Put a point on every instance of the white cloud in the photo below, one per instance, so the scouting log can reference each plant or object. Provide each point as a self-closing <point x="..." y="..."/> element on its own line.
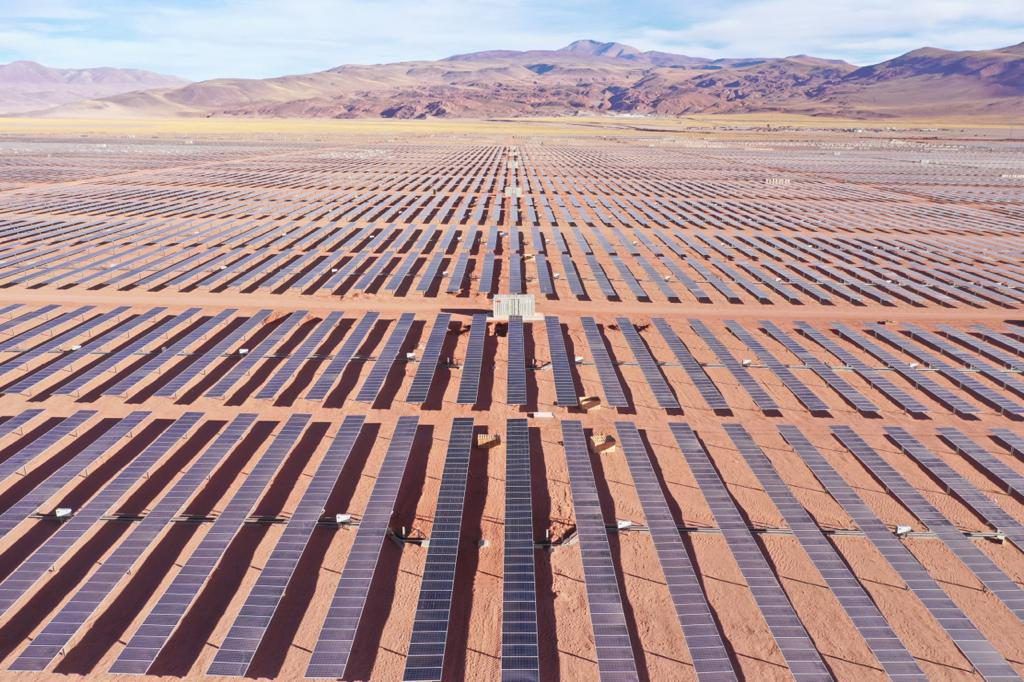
<point x="260" y="38"/>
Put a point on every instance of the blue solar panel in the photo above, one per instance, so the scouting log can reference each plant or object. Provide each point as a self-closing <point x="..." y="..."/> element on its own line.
<point x="386" y="359"/>
<point x="340" y="361"/>
<point x="857" y="603"/>
<point x="425" y="660"/>
<point x="565" y="387"/>
<point x="614" y="394"/>
<point x="472" y="367"/>
<point x="703" y="638"/>
<point x="255" y="355"/>
<point x="286" y="372"/>
<point x="705" y="386"/>
<point x="334" y="643"/>
<point x="975" y="647"/>
<point x="756" y="392"/>
<point x="652" y="372"/>
<point x="17" y="583"/>
<point x="611" y="636"/>
<point x="249" y="628"/>
<point x="149" y="639"/>
<point x="519" y="647"/>
<point x="515" y="390"/>
<point x="796" y="645"/>
<point x="118" y="565"/>
<point x="980" y="564"/>
<point x="424" y="378"/>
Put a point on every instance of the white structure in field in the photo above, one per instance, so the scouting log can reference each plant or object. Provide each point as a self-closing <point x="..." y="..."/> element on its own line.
<point x="506" y="305"/>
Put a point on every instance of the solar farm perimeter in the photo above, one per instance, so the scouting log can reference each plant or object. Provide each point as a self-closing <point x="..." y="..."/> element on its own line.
<point x="258" y="421"/>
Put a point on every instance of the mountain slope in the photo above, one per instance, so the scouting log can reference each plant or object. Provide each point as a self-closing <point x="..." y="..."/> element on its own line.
<point x="27" y="86"/>
<point x="593" y="77"/>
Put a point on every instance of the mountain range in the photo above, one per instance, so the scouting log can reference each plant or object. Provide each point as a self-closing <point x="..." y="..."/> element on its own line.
<point x="595" y="77"/>
<point x="28" y="86"/>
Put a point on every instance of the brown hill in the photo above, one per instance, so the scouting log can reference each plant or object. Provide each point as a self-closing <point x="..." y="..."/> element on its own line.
<point x="26" y="86"/>
<point x="593" y="77"/>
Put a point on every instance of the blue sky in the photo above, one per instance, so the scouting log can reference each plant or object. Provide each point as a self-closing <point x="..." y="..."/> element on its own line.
<point x="260" y="38"/>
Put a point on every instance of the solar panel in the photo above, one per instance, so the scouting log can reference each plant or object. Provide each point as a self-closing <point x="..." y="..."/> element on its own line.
<point x="980" y="564"/>
<point x="56" y="481"/>
<point x="198" y="365"/>
<point x="46" y="556"/>
<point x="519" y="648"/>
<point x="249" y="628"/>
<point x="469" y="385"/>
<point x="58" y="340"/>
<point x="424" y="377"/>
<point x="996" y="375"/>
<point x="760" y="396"/>
<point x="291" y="366"/>
<point x="965" y="381"/>
<point x="705" y="386"/>
<point x="919" y="380"/>
<point x="953" y="481"/>
<point x="515" y="391"/>
<point x="573" y="275"/>
<point x="978" y="650"/>
<point x="544" y="281"/>
<point x="874" y="377"/>
<point x="337" y="365"/>
<point x="334" y="642"/>
<point x="1009" y="477"/>
<point x="515" y="275"/>
<point x="648" y="365"/>
<point x="869" y="621"/>
<point x="614" y="394"/>
<point x="634" y="286"/>
<point x="43" y="442"/>
<point x="430" y="272"/>
<point x="12" y="424"/>
<point x="565" y="387"/>
<point x="848" y="393"/>
<point x="12" y="343"/>
<point x="149" y="639"/>
<point x="703" y="638"/>
<point x="425" y="660"/>
<point x="255" y="355"/>
<point x="459" y="273"/>
<point x="603" y="283"/>
<point x="161" y="355"/>
<point x="102" y="583"/>
<point x="808" y="398"/>
<point x="790" y="635"/>
<point x="1010" y="440"/>
<point x="486" y="285"/>
<point x="398" y="278"/>
<point x="611" y="636"/>
<point x="386" y="359"/>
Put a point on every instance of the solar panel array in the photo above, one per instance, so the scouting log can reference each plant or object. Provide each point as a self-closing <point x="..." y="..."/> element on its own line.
<point x="790" y="635"/>
<point x="425" y="660"/>
<point x="519" y="645"/>
<point x="149" y="639"/>
<point x="334" y="643"/>
<point x="710" y="657"/>
<point x="964" y="633"/>
<point x="611" y="636"/>
<point x="69" y="621"/>
<point x="883" y="642"/>
<point x="249" y="628"/>
<point x="743" y="280"/>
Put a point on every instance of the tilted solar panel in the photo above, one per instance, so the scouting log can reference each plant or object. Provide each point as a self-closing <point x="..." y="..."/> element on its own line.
<point x="612" y="640"/>
<point x="334" y="642"/>
<point x="519" y="647"/>
<point x="861" y="609"/>
<point x="425" y="660"/>
<point x="163" y="619"/>
<point x="975" y="647"/>
<point x="249" y="628"/>
<point x="472" y="367"/>
<point x="115" y="568"/>
<point x="790" y="635"/>
<point x="703" y="638"/>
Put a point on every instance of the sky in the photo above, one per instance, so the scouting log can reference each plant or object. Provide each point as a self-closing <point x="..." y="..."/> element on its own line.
<point x="261" y="38"/>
